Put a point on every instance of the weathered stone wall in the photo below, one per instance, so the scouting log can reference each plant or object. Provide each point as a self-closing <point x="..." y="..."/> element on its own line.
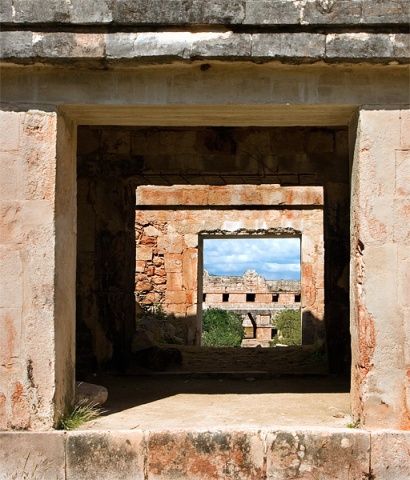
<point x="270" y="295"/>
<point x="360" y="49"/>
<point x="380" y="272"/>
<point x="35" y="278"/>
<point x="152" y="156"/>
<point x="169" y="242"/>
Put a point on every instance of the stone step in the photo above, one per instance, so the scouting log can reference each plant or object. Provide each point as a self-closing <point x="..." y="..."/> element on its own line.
<point x="287" y="453"/>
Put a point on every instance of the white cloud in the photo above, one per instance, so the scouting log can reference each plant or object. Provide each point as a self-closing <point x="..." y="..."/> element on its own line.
<point x="274" y="258"/>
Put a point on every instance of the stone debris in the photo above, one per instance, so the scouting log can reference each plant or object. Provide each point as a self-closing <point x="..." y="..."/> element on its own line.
<point x="86" y="393"/>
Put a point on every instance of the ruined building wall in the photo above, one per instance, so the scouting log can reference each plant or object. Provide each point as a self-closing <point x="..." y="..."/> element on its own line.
<point x="114" y="162"/>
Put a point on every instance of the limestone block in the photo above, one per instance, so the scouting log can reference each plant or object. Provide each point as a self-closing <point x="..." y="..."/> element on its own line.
<point x="227" y="44"/>
<point x="390" y="454"/>
<point x="171" y="243"/>
<point x="190" y="274"/>
<point x="345" y="12"/>
<point x="286" y="45"/>
<point x="173" y="262"/>
<point x="319" y="453"/>
<point x="177" y="297"/>
<point x="86" y="393"/>
<point x="32" y="455"/>
<point x="233" y="298"/>
<point x="11" y="280"/>
<point x="401" y="225"/>
<point x="401" y="47"/>
<point x="6" y="12"/>
<point x="402" y="176"/>
<point x="382" y="12"/>
<point x="271" y="12"/>
<point x="10" y="326"/>
<point x="174" y="281"/>
<point x="10" y="125"/>
<point x="178" y="12"/>
<point x="359" y="46"/>
<point x="104" y="455"/>
<point x="144" y="253"/>
<point x="85" y="11"/>
<point x="205" y="455"/>
<point x="69" y="45"/>
<point x="16" y="44"/>
<point x="263" y="298"/>
<point x="27" y="11"/>
<point x="405" y="128"/>
<point x="162" y="44"/>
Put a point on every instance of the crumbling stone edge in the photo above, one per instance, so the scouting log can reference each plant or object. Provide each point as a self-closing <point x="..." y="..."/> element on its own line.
<point x="222" y="453"/>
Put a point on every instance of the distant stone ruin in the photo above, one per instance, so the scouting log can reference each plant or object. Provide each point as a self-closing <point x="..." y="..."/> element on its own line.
<point x="254" y="298"/>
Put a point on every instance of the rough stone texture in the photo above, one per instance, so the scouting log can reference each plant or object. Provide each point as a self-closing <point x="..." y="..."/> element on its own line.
<point x="177" y="290"/>
<point x="390" y="454"/>
<point x="29" y="367"/>
<point x="165" y="268"/>
<point x="380" y="242"/>
<point x="327" y="454"/>
<point x="32" y="455"/>
<point x="186" y="95"/>
<point x="163" y="47"/>
<point x="205" y="455"/>
<point x="219" y="12"/>
<point x="86" y="393"/>
<point x="105" y="455"/>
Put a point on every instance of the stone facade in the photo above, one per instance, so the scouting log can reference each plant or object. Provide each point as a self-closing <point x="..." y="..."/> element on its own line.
<point x="255" y="299"/>
<point x="335" y="70"/>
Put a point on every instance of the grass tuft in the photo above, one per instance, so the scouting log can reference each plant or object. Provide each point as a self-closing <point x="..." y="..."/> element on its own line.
<point x="82" y="413"/>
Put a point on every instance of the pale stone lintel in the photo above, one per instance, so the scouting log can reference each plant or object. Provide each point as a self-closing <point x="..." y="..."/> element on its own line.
<point x="237" y="194"/>
<point x="216" y="115"/>
<point x="105" y="49"/>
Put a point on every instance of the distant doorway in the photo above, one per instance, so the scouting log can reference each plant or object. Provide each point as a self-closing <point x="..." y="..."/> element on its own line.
<point x="254" y="282"/>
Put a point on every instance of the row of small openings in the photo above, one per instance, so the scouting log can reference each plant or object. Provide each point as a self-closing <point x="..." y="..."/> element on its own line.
<point x="250" y="297"/>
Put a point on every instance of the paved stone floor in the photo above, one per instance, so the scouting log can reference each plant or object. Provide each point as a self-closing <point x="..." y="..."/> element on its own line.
<point x="221" y="400"/>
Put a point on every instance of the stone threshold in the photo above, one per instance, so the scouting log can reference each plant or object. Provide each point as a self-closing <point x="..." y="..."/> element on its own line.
<point x="279" y="453"/>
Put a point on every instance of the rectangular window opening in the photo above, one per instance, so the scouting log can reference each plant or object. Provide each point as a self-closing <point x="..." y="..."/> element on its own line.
<point x="225" y="297"/>
<point x="275" y="298"/>
<point x="250" y="297"/>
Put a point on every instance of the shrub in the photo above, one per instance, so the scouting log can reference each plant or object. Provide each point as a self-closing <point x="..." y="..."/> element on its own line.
<point x="288" y="323"/>
<point x="221" y="328"/>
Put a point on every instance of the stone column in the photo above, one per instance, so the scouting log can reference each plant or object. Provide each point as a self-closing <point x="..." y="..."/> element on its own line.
<point x="36" y="375"/>
<point x="380" y="276"/>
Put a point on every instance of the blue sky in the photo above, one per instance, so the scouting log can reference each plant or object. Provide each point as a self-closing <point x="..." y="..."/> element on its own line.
<point x="274" y="258"/>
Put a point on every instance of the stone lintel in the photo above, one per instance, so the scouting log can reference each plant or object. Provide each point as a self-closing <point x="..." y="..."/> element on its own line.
<point x="206" y="195"/>
<point x="133" y="49"/>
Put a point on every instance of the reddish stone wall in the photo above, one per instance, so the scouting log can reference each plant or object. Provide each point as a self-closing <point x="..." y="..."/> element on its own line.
<point x="113" y="161"/>
<point x="169" y="241"/>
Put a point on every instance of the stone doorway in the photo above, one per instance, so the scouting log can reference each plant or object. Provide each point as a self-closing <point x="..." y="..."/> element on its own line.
<point x="116" y="162"/>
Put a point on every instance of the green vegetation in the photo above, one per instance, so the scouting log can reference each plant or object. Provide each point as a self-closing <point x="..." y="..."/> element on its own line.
<point x="82" y="413"/>
<point x="221" y="328"/>
<point x="288" y="323"/>
<point x="354" y="424"/>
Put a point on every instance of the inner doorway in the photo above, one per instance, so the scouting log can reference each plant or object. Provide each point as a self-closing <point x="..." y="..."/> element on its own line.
<point x="253" y="281"/>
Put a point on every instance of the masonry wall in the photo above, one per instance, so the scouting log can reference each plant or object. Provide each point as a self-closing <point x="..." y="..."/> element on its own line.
<point x="113" y="161"/>
<point x="37" y="274"/>
<point x="380" y="273"/>
<point x="169" y="242"/>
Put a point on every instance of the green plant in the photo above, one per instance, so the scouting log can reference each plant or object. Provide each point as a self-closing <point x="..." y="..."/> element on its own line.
<point x="289" y="325"/>
<point x="354" y="424"/>
<point x="81" y="413"/>
<point x="221" y="328"/>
